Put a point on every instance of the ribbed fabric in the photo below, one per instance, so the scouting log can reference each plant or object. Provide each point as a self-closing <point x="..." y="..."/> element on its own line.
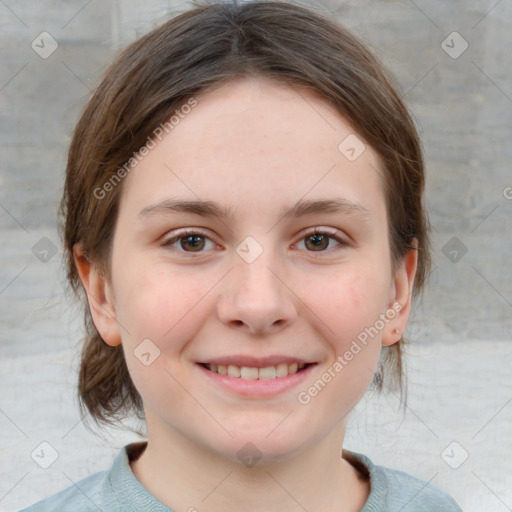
<point x="118" y="490"/>
<point x="396" y="491"/>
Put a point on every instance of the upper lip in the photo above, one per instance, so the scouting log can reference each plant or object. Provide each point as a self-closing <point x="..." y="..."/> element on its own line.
<point x="256" y="362"/>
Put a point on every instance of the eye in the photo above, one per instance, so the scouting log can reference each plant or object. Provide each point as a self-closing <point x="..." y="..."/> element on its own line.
<point x="320" y="239"/>
<point x="189" y="241"/>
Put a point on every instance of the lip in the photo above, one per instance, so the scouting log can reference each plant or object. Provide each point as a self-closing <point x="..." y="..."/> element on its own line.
<point x="259" y="388"/>
<point x="256" y="362"/>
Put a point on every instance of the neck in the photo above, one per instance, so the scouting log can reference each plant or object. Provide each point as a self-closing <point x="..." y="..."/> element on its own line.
<point x="187" y="477"/>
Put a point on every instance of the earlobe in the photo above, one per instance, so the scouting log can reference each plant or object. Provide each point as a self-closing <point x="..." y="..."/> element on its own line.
<point x="401" y="299"/>
<point x="100" y="298"/>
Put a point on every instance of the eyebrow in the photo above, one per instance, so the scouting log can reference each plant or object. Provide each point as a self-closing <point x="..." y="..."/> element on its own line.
<point x="299" y="209"/>
<point x="337" y="205"/>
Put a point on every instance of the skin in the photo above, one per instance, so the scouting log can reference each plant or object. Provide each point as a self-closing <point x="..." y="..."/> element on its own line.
<point x="256" y="147"/>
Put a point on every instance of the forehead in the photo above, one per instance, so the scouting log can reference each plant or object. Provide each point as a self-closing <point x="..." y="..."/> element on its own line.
<point x="253" y="144"/>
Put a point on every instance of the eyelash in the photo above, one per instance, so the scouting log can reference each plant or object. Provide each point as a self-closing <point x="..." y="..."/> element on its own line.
<point x="332" y="234"/>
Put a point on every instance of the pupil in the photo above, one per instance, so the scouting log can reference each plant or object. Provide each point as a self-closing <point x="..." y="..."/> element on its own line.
<point x="194" y="241"/>
<point x="319" y="241"/>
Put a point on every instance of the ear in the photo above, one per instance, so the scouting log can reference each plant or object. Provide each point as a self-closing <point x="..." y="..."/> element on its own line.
<point x="400" y="300"/>
<point x="100" y="297"/>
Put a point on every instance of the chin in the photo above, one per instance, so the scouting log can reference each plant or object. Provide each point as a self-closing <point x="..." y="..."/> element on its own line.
<point x="254" y="446"/>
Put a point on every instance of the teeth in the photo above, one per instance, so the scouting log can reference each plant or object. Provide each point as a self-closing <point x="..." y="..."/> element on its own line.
<point x="282" y="370"/>
<point x="233" y="371"/>
<point x="250" y="373"/>
<point x="293" y="368"/>
<point x="268" y="372"/>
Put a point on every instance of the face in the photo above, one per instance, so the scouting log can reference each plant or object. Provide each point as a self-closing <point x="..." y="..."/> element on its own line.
<point x="274" y="281"/>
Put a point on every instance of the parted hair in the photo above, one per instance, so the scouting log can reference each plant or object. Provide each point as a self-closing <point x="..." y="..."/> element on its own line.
<point x="186" y="56"/>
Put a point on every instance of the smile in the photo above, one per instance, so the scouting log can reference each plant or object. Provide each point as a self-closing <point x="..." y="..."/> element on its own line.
<point x="277" y="371"/>
<point x="256" y="378"/>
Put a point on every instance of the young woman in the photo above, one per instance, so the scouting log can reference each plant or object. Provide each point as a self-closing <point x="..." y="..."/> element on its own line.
<point x="243" y="212"/>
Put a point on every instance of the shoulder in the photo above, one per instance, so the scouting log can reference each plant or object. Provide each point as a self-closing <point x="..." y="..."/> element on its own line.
<point x="412" y="494"/>
<point x="394" y="490"/>
<point x="83" y="496"/>
<point x="113" y="490"/>
<point x="99" y="491"/>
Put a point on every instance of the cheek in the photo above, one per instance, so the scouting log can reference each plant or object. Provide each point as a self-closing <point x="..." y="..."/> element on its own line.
<point x="350" y="307"/>
<point x="155" y="304"/>
<point x="349" y="303"/>
<point x="160" y="312"/>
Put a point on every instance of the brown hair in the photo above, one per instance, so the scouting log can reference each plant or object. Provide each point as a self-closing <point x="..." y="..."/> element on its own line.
<point x="189" y="55"/>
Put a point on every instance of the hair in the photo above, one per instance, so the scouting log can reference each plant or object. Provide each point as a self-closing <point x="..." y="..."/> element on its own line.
<point x="185" y="57"/>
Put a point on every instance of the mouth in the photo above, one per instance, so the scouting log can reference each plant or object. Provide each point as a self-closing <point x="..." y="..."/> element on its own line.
<point x="269" y="372"/>
<point x="256" y="377"/>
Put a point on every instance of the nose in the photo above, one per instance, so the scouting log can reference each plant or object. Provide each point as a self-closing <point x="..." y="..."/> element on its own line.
<point x="256" y="298"/>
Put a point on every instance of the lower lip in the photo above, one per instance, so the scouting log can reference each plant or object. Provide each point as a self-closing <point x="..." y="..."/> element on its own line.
<point x="258" y="387"/>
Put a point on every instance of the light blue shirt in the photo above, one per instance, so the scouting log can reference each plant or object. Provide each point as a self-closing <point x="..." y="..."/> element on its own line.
<point x="118" y="490"/>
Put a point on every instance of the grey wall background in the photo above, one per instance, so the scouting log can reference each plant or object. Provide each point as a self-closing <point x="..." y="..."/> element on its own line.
<point x="456" y="430"/>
